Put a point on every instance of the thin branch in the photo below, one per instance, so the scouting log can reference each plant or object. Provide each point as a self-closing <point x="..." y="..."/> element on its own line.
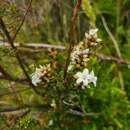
<point x="82" y="114"/>
<point x="22" y="22"/>
<point x="6" y="76"/>
<point x="13" y="109"/>
<point x="18" y="80"/>
<point x="18" y="57"/>
<point x="116" y="47"/>
<point x="34" y="46"/>
<point x="112" y="58"/>
<point x="111" y="36"/>
<point x="59" y="47"/>
<point x="72" y="36"/>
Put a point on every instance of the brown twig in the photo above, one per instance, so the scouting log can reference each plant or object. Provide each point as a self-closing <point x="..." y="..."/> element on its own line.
<point x="59" y="47"/>
<point x="22" y="22"/>
<point x="47" y="46"/>
<point x="34" y="45"/>
<point x="112" y="58"/>
<point x="6" y="76"/>
<point x="82" y="114"/>
<point x="72" y="36"/>
<point x="17" y="54"/>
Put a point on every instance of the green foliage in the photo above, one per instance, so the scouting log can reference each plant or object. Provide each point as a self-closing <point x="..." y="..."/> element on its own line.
<point x="25" y="123"/>
<point x="49" y="22"/>
<point x="87" y="8"/>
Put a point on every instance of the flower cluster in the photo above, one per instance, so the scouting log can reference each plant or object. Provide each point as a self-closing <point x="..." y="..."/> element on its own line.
<point x="39" y="73"/>
<point x="80" y="56"/>
<point x="85" y="78"/>
<point x="81" y="52"/>
<point x="91" y="38"/>
<point x="78" y="60"/>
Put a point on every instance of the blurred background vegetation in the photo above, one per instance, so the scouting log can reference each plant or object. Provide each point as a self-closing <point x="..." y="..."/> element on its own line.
<point x="48" y="22"/>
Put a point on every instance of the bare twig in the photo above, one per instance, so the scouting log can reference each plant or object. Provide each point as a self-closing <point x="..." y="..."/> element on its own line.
<point x="17" y="54"/>
<point x="74" y="112"/>
<point x="22" y="22"/>
<point x="34" y="46"/>
<point x="60" y="47"/>
<point x="111" y="36"/>
<point x="112" y="58"/>
<point x="116" y="48"/>
<point x="6" y="76"/>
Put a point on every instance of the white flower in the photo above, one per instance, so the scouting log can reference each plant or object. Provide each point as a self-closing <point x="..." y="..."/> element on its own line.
<point x="37" y="75"/>
<point x="85" y="77"/>
<point x="99" y="40"/>
<point x="92" y="37"/>
<point x="53" y="104"/>
<point x="50" y="123"/>
<point x="80" y="54"/>
<point x="92" y="78"/>
<point x="86" y="51"/>
<point x="70" y="67"/>
<point x="40" y="72"/>
<point x="93" y="32"/>
<point x="82" y="77"/>
<point x="35" y="79"/>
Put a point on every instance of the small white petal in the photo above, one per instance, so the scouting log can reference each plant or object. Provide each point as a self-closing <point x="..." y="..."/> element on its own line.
<point x="85" y="82"/>
<point x="78" y="75"/>
<point x="95" y="81"/>
<point x="83" y="87"/>
<point x="99" y="40"/>
<point x="93" y="31"/>
<point x="87" y="35"/>
<point x="92" y="73"/>
<point x="85" y="72"/>
<point x="35" y="81"/>
<point x="86" y="77"/>
<point x="86" y="51"/>
<point x="93" y="78"/>
<point x="70" y="67"/>
<point x="93" y="43"/>
<point x="50" y="123"/>
<point x="78" y="81"/>
<point x="40" y="66"/>
<point x="53" y="104"/>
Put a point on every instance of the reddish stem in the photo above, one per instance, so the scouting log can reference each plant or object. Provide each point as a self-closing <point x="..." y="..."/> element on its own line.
<point x="72" y="36"/>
